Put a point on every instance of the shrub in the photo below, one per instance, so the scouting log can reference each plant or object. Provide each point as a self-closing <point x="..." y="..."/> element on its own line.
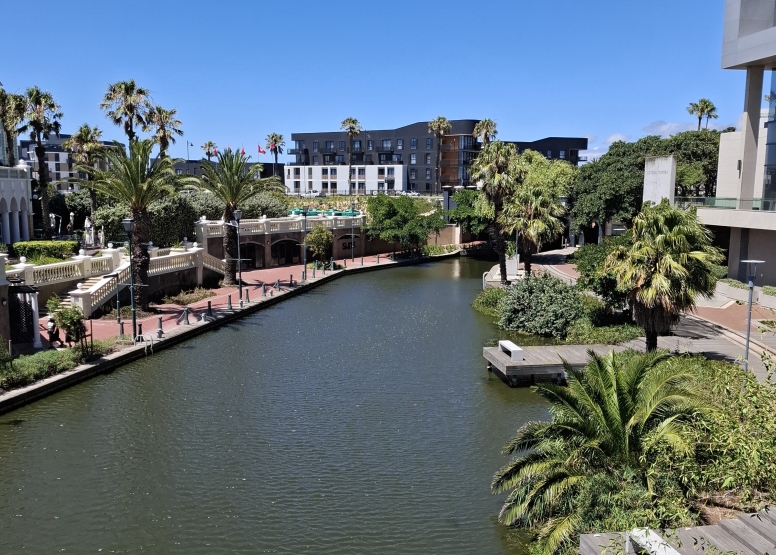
<point x="71" y="319"/>
<point x="487" y="300"/>
<point x="318" y="241"/>
<point x="735" y="283"/>
<point x="109" y="217"/>
<point x="590" y="260"/>
<point x="263" y="204"/>
<point x="769" y="290"/>
<point x="172" y="219"/>
<point x="586" y="332"/>
<point x="188" y="297"/>
<point x="541" y="305"/>
<point x="53" y="304"/>
<point x="59" y="250"/>
<point x="432" y="250"/>
<point x="206" y="204"/>
<point x="720" y="272"/>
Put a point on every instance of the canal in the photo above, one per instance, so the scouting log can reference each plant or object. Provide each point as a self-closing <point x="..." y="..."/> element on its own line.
<point x="358" y="418"/>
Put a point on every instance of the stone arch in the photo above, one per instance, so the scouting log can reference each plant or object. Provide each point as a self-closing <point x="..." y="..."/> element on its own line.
<point x="14" y="205"/>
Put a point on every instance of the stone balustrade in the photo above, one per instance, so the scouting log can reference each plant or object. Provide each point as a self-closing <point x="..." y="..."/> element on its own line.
<point x="209" y="228"/>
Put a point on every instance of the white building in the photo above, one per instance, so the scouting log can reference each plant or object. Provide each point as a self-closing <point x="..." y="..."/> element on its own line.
<point x="333" y="180"/>
<point x="15" y="206"/>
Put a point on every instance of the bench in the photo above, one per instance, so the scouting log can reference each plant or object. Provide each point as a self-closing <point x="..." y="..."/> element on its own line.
<point x="515" y="353"/>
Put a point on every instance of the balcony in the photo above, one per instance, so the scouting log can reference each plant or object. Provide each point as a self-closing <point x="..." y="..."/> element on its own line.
<point x="454" y="163"/>
<point x="384" y="149"/>
<point x="755" y="213"/>
<point x="455" y="148"/>
<point x="292" y="151"/>
<point x="327" y="150"/>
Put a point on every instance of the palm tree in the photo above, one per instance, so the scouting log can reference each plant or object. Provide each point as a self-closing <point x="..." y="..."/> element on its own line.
<point x="607" y="421"/>
<point x="485" y="130"/>
<point x="165" y="125"/>
<point x="666" y="269"/>
<point x="41" y="119"/>
<point x="12" y="108"/>
<point x="209" y="147"/>
<point x="353" y="128"/>
<point x="703" y="108"/>
<point x="695" y="109"/>
<point x="84" y="146"/>
<point x="233" y="182"/>
<point x="126" y="105"/>
<point x="275" y="144"/>
<point x="496" y="170"/>
<point x="710" y="110"/>
<point x="135" y="179"/>
<point x="439" y="127"/>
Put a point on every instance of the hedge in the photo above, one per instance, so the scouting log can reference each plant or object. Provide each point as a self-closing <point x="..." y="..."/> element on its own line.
<point x="53" y="249"/>
<point x="541" y="305"/>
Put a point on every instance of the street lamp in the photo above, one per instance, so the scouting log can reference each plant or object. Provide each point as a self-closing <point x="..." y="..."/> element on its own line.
<point x="237" y="218"/>
<point x="304" y="243"/>
<point x="129" y="225"/>
<point x="352" y="232"/>
<point x="751" y="273"/>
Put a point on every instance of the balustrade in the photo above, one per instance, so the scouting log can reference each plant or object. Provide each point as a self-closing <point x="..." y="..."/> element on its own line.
<point x="62" y="271"/>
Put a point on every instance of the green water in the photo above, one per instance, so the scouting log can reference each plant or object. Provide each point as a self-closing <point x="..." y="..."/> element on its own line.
<point x="357" y="418"/>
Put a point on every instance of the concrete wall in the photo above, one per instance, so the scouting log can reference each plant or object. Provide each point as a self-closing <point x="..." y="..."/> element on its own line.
<point x="752" y="244"/>
<point x="728" y="174"/>
<point x="749" y="34"/>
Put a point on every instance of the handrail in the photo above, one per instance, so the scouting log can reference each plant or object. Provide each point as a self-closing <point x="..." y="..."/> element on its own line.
<point x="107" y="286"/>
<point x="212" y="263"/>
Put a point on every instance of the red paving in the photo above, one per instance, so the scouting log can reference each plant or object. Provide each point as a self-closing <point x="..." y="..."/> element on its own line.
<point x="252" y="281"/>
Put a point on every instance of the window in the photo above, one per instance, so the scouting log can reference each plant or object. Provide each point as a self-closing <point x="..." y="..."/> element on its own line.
<point x="413" y="158"/>
<point x="412" y="187"/>
<point x="380" y="185"/>
<point x="309" y="173"/>
<point x="549" y="154"/>
<point x="315" y="160"/>
<point x="428" y="159"/>
<point x="342" y="146"/>
<point x="380" y="173"/>
<point x="325" y="173"/>
<point x="297" y="172"/>
<point x="56" y="156"/>
<point x="325" y="186"/>
<point x="562" y="155"/>
<point x="396" y="159"/>
<point x="386" y="143"/>
<point x="383" y="158"/>
<point x="296" y="186"/>
<point x="428" y="186"/>
<point x="300" y="145"/>
<point x="413" y="173"/>
<point x="352" y="172"/>
<point x="369" y="145"/>
<point x="315" y="146"/>
<point x="399" y="144"/>
<point x="413" y="144"/>
<point x="428" y="173"/>
<point x="178" y="172"/>
<point x="361" y="173"/>
<point x="390" y="171"/>
<point x="333" y="172"/>
<point x="339" y="159"/>
<point x="329" y="145"/>
<point x="429" y="143"/>
<point x="333" y="188"/>
<point x="357" y="146"/>
<point x="288" y="174"/>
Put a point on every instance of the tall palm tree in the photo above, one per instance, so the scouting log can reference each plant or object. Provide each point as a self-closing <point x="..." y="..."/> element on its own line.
<point x="608" y="421"/>
<point x="485" y="130"/>
<point x="135" y="179"/>
<point x="666" y="269"/>
<point x="126" y="105"/>
<point x="703" y="108"/>
<point x="164" y="125"/>
<point x="439" y="127"/>
<point x="84" y="146"/>
<point x="710" y="111"/>
<point x="696" y="109"/>
<point x="275" y="144"/>
<point x="209" y="147"/>
<point x="12" y="108"/>
<point x="41" y="119"/>
<point x="233" y="182"/>
<point x="496" y="170"/>
<point x="353" y="128"/>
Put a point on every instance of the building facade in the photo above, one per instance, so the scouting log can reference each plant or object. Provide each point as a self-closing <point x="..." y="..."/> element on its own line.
<point x="194" y="167"/>
<point x="15" y="204"/>
<point x="408" y="155"/>
<point x="745" y="206"/>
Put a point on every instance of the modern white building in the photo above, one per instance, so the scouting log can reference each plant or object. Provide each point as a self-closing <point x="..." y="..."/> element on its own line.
<point x="333" y="180"/>
<point x="15" y="205"/>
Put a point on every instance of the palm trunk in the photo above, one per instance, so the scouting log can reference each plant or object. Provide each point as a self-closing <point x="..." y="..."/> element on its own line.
<point x="651" y="340"/>
<point x="502" y="256"/>
<point x="9" y="147"/>
<point x="40" y="153"/>
<point x="438" y="184"/>
<point x="230" y="248"/>
<point x="527" y="262"/>
<point x="276" y="163"/>
<point x="700" y="118"/>
<point x="141" y="234"/>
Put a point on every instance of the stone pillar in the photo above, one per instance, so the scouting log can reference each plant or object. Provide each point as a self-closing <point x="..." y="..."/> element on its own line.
<point x="14" y="226"/>
<point x="35" y="321"/>
<point x="750" y="130"/>
<point x="25" y="221"/>
<point x="82" y="298"/>
<point x="6" y="228"/>
<point x="86" y="264"/>
<point x="114" y="255"/>
<point x="27" y="271"/>
<point x="196" y="251"/>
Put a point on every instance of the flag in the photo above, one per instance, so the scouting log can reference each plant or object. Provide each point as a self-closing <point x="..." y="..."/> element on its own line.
<point x="262" y="151"/>
<point x="215" y="151"/>
<point x="229" y="148"/>
<point x="242" y="151"/>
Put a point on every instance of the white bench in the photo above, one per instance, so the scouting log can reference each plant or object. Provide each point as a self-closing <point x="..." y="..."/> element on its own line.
<point x="515" y="353"/>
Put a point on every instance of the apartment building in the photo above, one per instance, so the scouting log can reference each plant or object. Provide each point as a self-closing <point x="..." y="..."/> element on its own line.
<point x="402" y="159"/>
<point x="194" y="167"/>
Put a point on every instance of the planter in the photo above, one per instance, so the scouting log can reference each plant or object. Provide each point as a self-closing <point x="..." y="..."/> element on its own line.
<point x="767" y="301"/>
<point x="736" y="294"/>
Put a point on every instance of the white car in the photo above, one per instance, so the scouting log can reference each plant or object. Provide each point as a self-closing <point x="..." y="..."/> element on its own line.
<point x="413" y="194"/>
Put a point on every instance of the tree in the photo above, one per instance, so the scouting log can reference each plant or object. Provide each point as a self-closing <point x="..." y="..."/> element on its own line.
<point x="209" y="147"/>
<point x="275" y="144"/>
<point x="12" y="108"/>
<point x="353" y="129"/>
<point x="607" y="423"/>
<point x="127" y="105"/>
<point x="318" y="241"/>
<point x="84" y="146"/>
<point x="711" y="112"/>
<point x="165" y="127"/>
<point x="133" y="178"/>
<point x="41" y="119"/>
<point x="466" y="212"/>
<point x="233" y="182"/>
<point x="666" y="269"/>
<point x="495" y="170"/>
<point x="398" y="220"/>
<point x="439" y="127"/>
<point x="485" y="130"/>
<point x="703" y="108"/>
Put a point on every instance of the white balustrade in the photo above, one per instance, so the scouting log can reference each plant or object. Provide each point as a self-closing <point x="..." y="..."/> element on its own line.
<point x="171" y="263"/>
<point x="61" y="271"/>
<point x="101" y="265"/>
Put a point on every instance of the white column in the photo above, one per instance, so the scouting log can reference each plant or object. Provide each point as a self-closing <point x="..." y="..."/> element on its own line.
<point x="14" y="226"/>
<point x="6" y="227"/>
<point x="35" y="321"/>
<point x="25" y="233"/>
<point x="750" y="130"/>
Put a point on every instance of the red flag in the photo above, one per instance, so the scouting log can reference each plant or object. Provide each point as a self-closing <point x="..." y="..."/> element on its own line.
<point x="229" y="148"/>
<point x="242" y="151"/>
<point x="215" y="151"/>
<point x="262" y="151"/>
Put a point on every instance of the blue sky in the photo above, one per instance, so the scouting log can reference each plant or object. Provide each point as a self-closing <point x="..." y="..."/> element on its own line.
<point x="238" y="70"/>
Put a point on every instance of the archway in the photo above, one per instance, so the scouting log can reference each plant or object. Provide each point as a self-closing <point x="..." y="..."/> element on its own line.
<point x="253" y="255"/>
<point x="285" y="252"/>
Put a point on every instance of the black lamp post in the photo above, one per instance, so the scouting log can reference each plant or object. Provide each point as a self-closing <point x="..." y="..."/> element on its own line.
<point x="352" y="232"/>
<point x="129" y="225"/>
<point x="237" y="218"/>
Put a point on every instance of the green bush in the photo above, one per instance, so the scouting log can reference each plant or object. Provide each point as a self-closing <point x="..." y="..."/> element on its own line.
<point x="487" y="300"/>
<point x="59" y="250"/>
<point x="109" y="217"/>
<point x="188" y="297"/>
<point x="172" y="219"/>
<point x="720" y="272"/>
<point x="585" y="332"/>
<point x="735" y="283"/>
<point x="206" y="204"/>
<point x="263" y="204"/>
<point x="541" y="305"/>
<point x="71" y="319"/>
<point x="769" y="290"/>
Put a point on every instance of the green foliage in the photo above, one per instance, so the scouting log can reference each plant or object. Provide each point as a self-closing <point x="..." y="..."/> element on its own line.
<point x="60" y="250"/>
<point x="734" y="283"/>
<point x="266" y="204"/>
<point x="437" y="250"/>
<point x="466" y="213"/>
<point x="541" y="305"/>
<point x="769" y="290"/>
<point x="109" y="217"/>
<point x="487" y="300"/>
<point x="172" y="219"/>
<point x="398" y="220"/>
<point x="590" y="259"/>
<point x="188" y="297"/>
<point x="71" y="319"/>
<point x="80" y="204"/>
<point x="53" y="304"/>
<point x="206" y="204"/>
<point x="585" y="332"/>
<point x="318" y="241"/>
<point x="720" y="272"/>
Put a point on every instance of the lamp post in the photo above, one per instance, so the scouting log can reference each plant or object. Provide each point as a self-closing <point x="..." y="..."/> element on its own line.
<point x="751" y="273"/>
<point x="237" y="218"/>
<point x="304" y="243"/>
<point x="352" y="230"/>
<point x="129" y="225"/>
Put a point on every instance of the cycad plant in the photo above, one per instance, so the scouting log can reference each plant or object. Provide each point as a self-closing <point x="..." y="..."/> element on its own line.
<point x="133" y="178"/>
<point x="233" y="181"/>
<point x="85" y="145"/>
<point x="668" y="267"/>
<point x="605" y="423"/>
